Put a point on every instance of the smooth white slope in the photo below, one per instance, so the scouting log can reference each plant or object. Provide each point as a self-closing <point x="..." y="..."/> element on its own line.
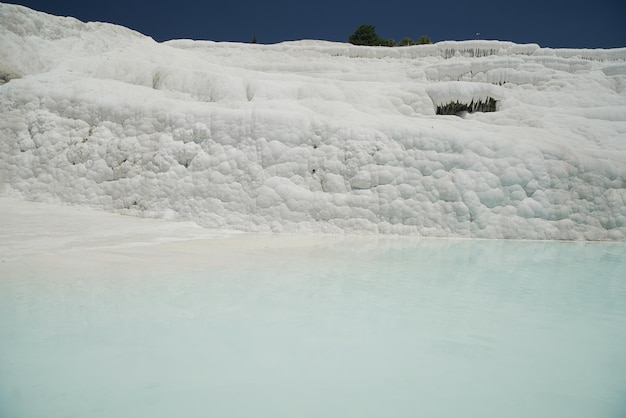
<point x="35" y="229"/>
<point x="315" y="136"/>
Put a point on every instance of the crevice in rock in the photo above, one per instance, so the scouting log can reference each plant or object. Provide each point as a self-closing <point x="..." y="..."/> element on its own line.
<point x="456" y="107"/>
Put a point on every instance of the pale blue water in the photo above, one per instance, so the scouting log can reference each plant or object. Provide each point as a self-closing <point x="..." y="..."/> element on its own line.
<point x="329" y="328"/>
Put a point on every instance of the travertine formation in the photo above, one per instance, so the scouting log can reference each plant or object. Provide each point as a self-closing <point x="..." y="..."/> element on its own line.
<point x="315" y="136"/>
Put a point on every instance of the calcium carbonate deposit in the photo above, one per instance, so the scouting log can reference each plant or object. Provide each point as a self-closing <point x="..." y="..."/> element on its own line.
<point x="315" y="136"/>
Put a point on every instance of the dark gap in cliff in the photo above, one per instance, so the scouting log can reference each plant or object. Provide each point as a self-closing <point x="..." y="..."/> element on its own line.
<point x="455" y="108"/>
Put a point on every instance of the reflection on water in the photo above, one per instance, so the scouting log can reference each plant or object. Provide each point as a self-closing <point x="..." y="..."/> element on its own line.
<point x="324" y="327"/>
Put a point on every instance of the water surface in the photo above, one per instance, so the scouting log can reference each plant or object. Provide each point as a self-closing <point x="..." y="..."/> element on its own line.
<point x="286" y="326"/>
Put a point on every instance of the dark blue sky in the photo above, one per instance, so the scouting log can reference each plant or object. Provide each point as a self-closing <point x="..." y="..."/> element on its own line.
<point x="558" y="23"/>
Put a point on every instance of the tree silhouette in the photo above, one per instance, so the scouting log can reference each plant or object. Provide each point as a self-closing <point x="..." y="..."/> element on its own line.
<point x="366" y="35"/>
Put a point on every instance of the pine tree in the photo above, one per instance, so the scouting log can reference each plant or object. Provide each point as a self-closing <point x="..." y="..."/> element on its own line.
<point x="366" y="35"/>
